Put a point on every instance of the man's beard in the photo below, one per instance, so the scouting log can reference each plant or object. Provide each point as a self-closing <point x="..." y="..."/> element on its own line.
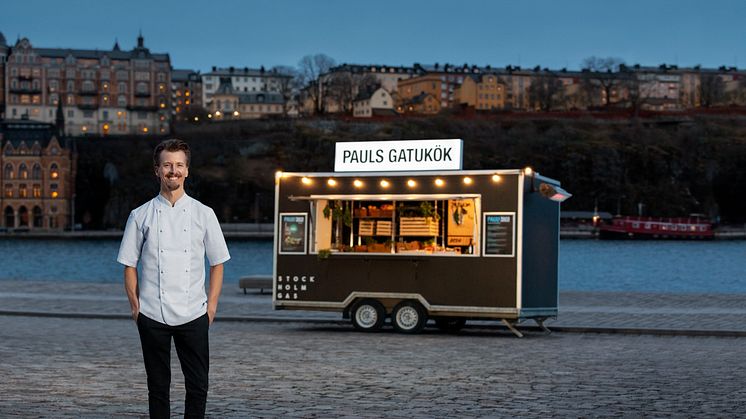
<point x="172" y="186"/>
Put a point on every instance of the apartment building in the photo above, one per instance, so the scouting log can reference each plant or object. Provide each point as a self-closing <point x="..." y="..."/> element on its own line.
<point x="100" y="92"/>
<point x="243" y="80"/>
<point x="484" y="92"/>
<point x="3" y="59"/>
<point x="37" y="174"/>
<point x="186" y="93"/>
<point x="230" y="103"/>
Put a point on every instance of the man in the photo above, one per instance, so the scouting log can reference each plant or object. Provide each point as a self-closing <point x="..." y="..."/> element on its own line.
<point x="169" y="236"/>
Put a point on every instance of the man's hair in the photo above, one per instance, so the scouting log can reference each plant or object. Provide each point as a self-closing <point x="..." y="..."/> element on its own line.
<point x="171" y="145"/>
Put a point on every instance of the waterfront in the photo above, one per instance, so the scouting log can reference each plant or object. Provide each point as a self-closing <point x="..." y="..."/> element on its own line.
<point x="585" y="265"/>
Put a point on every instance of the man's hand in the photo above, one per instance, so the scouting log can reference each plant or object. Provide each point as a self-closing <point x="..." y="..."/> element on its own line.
<point x="216" y="284"/>
<point x="133" y="291"/>
<point x="211" y="310"/>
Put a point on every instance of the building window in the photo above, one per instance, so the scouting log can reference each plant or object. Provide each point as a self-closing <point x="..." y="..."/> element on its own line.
<point x="22" y="191"/>
<point x="23" y="171"/>
<point x="36" y="172"/>
<point x="54" y="193"/>
<point x="38" y="219"/>
<point x="122" y="101"/>
<point x="70" y="100"/>
<point x="9" y="172"/>
<point x="87" y="114"/>
<point x="9" y="191"/>
<point x="54" y="172"/>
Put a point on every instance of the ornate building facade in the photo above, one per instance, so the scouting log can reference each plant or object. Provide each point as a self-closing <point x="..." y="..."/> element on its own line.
<point x="101" y="92"/>
<point x="37" y="174"/>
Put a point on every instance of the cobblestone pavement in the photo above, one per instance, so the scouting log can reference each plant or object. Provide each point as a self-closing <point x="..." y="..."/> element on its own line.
<point x="54" y="367"/>
<point x="709" y="312"/>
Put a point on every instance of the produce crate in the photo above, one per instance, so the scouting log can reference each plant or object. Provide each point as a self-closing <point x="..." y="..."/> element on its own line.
<point x="366" y="227"/>
<point x="418" y="226"/>
<point x="383" y="228"/>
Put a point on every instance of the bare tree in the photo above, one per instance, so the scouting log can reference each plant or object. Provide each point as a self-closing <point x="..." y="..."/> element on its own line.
<point x="546" y="91"/>
<point x="310" y="69"/>
<point x="344" y="86"/>
<point x="637" y="88"/>
<point x="288" y="85"/>
<point x="600" y="77"/>
<point x="711" y="89"/>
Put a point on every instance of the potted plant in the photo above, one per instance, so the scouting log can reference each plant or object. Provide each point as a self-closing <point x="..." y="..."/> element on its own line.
<point x="341" y="214"/>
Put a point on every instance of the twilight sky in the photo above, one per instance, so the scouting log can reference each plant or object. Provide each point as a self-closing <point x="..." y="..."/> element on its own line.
<point x="550" y="33"/>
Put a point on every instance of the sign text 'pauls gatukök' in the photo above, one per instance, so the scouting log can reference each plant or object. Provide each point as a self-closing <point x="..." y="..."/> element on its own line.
<point x="377" y="156"/>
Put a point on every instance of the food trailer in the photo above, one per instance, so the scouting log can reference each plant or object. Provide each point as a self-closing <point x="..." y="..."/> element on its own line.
<point x="391" y="234"/>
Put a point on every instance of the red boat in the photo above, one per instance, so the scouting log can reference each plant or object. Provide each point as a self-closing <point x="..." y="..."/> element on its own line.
<point x="682" y="228"/>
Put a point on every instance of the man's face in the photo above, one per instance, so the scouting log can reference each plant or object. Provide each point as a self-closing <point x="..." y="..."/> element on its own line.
<point x="172" y="170"/>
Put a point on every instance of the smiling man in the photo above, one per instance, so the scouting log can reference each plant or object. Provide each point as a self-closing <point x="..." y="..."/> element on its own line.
<point x="170" y="236"/>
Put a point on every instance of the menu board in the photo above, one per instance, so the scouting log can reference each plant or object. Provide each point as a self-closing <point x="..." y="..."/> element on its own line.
<point x="499" y="234"/>
<point x="293" y="233"/>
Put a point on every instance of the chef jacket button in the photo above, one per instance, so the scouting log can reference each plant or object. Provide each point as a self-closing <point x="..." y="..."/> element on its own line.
<point x="186" y="250"/>
<point x="187" y="270"/>
<point x="184" y="210"/>
<point x="161" y="250"/>
<point x="184" y="229"/>
<point x="161" y="231"/>
<point x="161" y="271"/>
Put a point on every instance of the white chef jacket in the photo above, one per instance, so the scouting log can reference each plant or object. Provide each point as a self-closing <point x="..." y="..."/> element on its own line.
<point x="171" y="242"/>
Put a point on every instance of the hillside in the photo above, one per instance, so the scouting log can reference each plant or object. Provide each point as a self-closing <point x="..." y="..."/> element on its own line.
<point x="672" y="167"/>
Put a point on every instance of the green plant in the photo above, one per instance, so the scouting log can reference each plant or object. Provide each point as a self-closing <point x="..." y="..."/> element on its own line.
<point x="369" y="240"/>
<point x="324" y="254"/>
<point x="427" y="210"/>
<point x="339" y="212"/>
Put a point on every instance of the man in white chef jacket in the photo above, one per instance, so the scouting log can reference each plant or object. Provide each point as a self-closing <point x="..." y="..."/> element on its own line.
<point x="169" y="236"/>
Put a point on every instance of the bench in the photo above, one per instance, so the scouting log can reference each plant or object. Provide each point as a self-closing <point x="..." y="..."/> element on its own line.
<point x="255" y="281"/>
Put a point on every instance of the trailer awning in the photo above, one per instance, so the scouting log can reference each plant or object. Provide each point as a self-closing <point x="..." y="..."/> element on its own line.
<point x="383" y="197"/>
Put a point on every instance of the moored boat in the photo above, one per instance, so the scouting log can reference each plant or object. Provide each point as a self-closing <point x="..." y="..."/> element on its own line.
<point x="682" y="228"/>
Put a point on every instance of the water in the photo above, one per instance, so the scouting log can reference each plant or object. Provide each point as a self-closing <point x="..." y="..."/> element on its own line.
<point x="95" y="260"/>
<point x="586" y="265"/>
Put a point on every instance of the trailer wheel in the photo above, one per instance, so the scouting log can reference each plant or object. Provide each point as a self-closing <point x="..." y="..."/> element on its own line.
<point x="367" y="315"/>
<point x="409" y="317"/>
<point x="450" y="324"/>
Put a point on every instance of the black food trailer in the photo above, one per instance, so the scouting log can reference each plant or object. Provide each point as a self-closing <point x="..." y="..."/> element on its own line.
<point x="418" y="245"/>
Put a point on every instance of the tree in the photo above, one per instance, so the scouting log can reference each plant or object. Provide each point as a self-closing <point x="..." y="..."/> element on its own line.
<point x="600" y="78"/>
<point x="310" y="69"/>
<point x="546" y="91"/>
<point x="289" y="85"/>
<point x="637" y="88"/>
<point x="344" y="86"/>
<point x="711" y="89"/>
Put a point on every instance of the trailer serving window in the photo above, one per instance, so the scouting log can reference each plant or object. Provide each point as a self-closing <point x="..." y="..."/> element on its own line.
<point x="442" y="225"/>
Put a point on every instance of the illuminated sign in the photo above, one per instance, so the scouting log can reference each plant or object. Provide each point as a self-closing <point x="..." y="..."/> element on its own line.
<point x="395" y="156"/>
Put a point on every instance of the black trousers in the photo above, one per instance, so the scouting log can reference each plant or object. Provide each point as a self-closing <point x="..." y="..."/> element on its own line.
<point x="193" y="349"/>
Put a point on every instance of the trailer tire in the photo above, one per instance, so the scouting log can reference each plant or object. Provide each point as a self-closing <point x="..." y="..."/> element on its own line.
<point x="450" y="324"/>
<point x="367" y="315"/>
<point x="409" y="317"/>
